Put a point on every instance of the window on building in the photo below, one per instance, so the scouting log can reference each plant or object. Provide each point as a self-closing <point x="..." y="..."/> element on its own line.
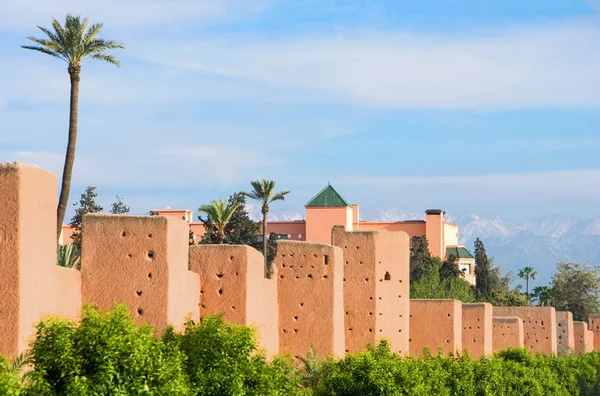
<point x="465" y="268"/>
<point x="299" y="236"/>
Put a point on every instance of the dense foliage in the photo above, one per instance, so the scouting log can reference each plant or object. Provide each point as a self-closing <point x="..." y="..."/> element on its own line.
<point x="512" y="372"/>
<point x="576" y="288"/>
<point x="9" y="379"/>
<point x="106" y="354"/>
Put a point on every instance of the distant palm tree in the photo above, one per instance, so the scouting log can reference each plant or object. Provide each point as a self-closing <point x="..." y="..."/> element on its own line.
<point x="263" y="191"/>
<point x="544" y="295"/>
<point x="220" y="213"/>
<point x="73" y="43"/>
<point x="527" y="273"/>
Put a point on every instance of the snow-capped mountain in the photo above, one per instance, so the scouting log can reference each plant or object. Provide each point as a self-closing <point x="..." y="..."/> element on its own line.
<point x="539" y="243"/>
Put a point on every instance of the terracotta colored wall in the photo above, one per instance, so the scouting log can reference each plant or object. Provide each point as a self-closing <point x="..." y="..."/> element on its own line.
<point x="435" y="324"/>
<point x="293" y="228"/>
<point x="477" y="329"/>
<point x="594" y="326"/>
<point x="31" y="282"/>
<point x="320" y="221"/>
<point x="233" y="283"/>
<point x="507" y="332"/>
<point x="310" y="298"/>
<point x="434" y="231"/>
<point x="539" y="325"/>
<point x="564" y="332"/>
<point x="376" y="294"/>
<point x="584" y="338"/>
<point x="141" y="262"/>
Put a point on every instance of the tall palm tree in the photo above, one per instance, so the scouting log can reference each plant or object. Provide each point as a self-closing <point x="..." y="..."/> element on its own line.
<point x="73" y="43"/>
<point x="220" y="213"/>
<point x="527" y="273"/>
<point x="263" y="192"/>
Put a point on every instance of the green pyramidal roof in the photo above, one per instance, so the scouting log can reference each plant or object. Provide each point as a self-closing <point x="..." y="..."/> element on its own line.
<point x="328" y="197"/>
<point x="458" y="252"/>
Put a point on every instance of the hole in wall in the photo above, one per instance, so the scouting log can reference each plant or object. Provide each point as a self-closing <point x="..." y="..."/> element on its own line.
<point x="230" y="258"/>
<point x="123" y="234"/>
<point x="301" y="305"/>
<point x="296" y="317"/>
<point x="149" y="235"/>
<point x="370" y="330"/>
<point x="233" y="307"/>
<point x="219" y="276"/>
<point x="149" y="275"/>
<point x="140" y="311"/>
<point x="130" y="255"/>
<point x="309" y="276"/>
<point x="283" y="331"/>
<point x="325" y="259"/>
<point x="220" y="291"/>
<point x="291" y="254"/>
<point x="295" y="330"/>
<point x="387" y="276"/>
<point x="280" y="276"/>
<point x="324" y="276"/>
<point x="150" y="255"/>
<point x="366" y="279"/>
<point x="139" y="292"/>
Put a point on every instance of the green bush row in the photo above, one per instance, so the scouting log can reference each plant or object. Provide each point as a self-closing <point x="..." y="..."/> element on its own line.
<point x="107" y="354"/>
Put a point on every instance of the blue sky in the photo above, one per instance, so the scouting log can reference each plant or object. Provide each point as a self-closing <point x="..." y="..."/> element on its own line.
<point x="487" y="107"/>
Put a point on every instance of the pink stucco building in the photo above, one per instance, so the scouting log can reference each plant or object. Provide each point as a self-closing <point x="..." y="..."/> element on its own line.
<point x="328" y="208"/>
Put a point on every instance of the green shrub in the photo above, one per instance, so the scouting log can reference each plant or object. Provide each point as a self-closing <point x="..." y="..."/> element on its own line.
<point x="104" y="354"/>
<point x="9" y="379"/>
<point x="107" y="354"/>
<point x="222" y="359"/>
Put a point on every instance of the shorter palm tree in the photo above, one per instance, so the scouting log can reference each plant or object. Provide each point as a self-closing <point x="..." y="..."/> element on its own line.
<point x="263" y="191"/>
<point x="526" y="274"/>
<point x="544" y="295"/>
<point x="219" y="212"/>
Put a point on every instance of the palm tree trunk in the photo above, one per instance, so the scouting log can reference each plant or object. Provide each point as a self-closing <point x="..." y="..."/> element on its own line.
<point x="65" y="189"/>
<point x="527" y="288"/>
<point x="267" y="272"/>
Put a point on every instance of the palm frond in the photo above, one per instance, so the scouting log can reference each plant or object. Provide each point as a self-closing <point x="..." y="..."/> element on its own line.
<point x="59" y="31"/>
<point x="44" y="50"/>
<point x="93" y="32"/>
<point x="280" y="196"/>
<point x="252" y="195"/>
<point x="107" y="58"/>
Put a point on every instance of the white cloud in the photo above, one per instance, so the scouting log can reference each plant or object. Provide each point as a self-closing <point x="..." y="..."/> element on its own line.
<point x="155" y="167"/>
<point x="577" y="184"/>
<point x="553" y="65"/>
<point x="124" y="14"/>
